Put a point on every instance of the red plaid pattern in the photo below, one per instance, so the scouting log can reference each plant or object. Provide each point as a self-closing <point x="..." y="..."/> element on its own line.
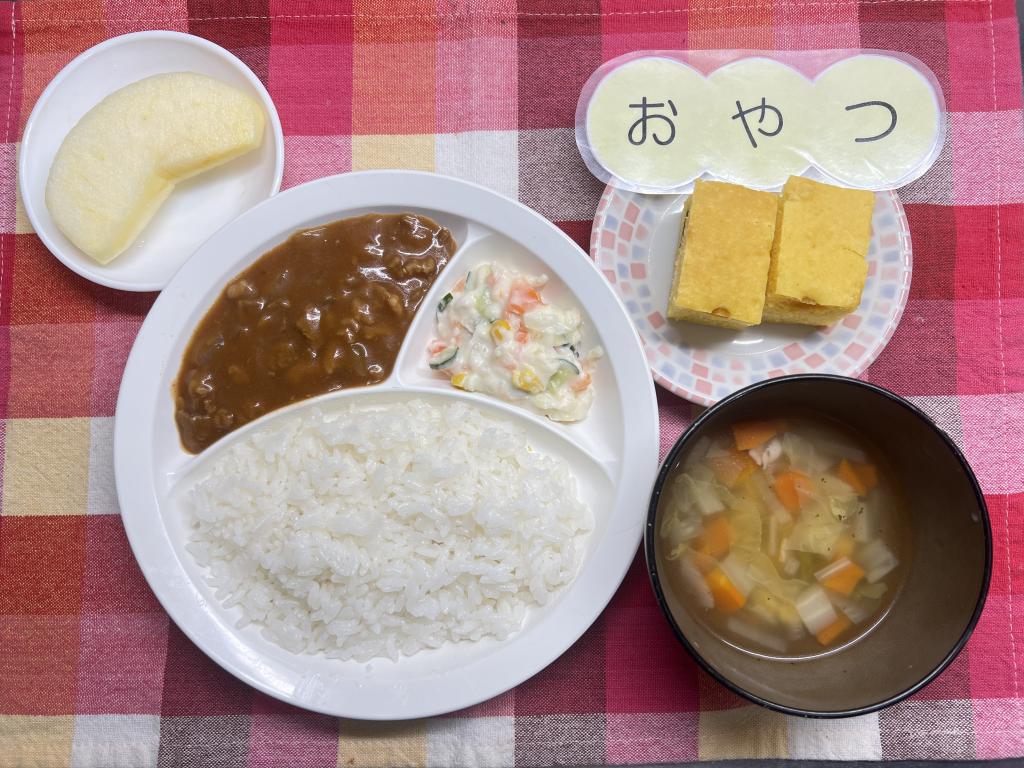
<point x="91" y="671"/>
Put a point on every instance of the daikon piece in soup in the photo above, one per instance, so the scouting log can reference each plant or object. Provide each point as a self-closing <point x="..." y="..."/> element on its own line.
<point x="785" y="537"/>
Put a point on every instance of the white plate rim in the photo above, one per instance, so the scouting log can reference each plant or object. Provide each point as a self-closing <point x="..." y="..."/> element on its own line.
<point x="137" y="401"/>
<point x="42" y="231"/>
<point x="861" y="364"/>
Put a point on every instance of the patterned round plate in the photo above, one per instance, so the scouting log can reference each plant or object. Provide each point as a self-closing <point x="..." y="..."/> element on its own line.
<point x="634" y="243"/>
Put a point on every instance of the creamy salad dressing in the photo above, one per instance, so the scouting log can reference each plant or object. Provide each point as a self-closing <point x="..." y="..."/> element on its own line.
<point x="497" y="335"/>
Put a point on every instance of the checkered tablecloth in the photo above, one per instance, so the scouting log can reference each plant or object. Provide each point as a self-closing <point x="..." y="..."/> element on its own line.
<point x="92" y="673"/>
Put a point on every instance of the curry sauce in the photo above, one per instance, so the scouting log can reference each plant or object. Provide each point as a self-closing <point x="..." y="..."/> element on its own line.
<point x="325" y="310"/>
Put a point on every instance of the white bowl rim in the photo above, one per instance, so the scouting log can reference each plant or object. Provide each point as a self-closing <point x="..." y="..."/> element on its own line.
<point x="97" y="275"/>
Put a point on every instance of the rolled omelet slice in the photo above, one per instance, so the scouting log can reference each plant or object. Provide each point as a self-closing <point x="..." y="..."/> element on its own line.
<point x="123" y="158"/>
<point x="819" y="253"/>
<point x="724" y="252"/>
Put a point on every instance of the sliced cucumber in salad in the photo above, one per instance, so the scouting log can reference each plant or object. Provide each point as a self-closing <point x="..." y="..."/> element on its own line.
<point x="477" y="277"/>
<point x="569" y="365"/>
<point x="571" y="346"/>
<point x="489" y="311"/>
<point x="567" y="371"/>
<point x="444" y="358"/>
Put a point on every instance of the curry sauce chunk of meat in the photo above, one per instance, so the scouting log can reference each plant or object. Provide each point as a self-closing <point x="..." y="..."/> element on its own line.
<point x="325" y="310"/>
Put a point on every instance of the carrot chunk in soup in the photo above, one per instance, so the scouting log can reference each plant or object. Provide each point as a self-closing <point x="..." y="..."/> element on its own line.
<point x="785" y="535"/>
<point x="750" y="434"/>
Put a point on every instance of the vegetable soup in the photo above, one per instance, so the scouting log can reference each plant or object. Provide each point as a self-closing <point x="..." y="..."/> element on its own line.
<point x="785" y="536"/>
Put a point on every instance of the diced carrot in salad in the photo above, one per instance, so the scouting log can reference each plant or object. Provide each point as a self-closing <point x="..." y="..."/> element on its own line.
<point x="582" y="383"/>
<point x="522" y="299"/>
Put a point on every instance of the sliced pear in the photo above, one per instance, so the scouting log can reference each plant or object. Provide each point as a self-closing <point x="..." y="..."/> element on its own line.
<point x="123" y="158"/>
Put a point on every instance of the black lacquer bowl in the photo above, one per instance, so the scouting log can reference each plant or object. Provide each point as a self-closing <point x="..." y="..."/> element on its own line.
<point x="946" y="583"/>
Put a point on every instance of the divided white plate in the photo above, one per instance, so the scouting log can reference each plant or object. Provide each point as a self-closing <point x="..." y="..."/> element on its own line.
<point x="634" y="243"/>
<point x="198" y="207"/>
<point x="614" y="452"/>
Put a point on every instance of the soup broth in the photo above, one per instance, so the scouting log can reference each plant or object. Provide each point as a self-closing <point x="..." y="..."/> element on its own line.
<point x="785" y="537"/>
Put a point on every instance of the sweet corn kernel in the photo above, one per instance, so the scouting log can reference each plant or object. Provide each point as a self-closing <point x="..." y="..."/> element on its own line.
<point x="500" y="330"/>
<point x="528" y="381"/>
<point x="459" y="380"/>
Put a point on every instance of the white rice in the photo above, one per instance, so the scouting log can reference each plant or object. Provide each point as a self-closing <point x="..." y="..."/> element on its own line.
<point x="384" y="530"/>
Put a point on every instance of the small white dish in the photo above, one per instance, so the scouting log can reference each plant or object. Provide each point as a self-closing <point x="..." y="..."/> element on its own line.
<point x="613" y="452"/>
<point x="634" y="242"/>
<point x="198" y="207"/>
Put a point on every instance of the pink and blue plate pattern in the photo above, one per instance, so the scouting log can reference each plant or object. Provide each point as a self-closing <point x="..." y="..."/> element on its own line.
<point x="634" y="241"/>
